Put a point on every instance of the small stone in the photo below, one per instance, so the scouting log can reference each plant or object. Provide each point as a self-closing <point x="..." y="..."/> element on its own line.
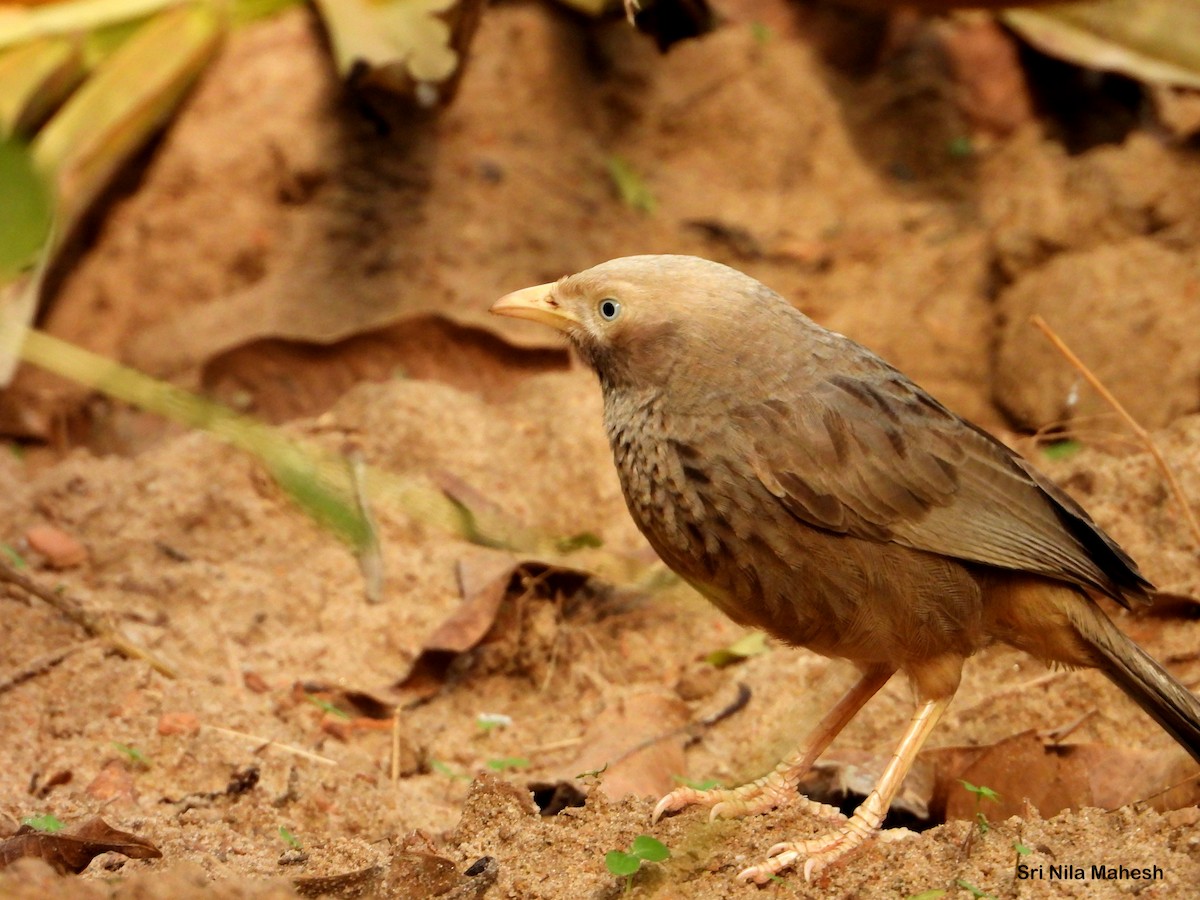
<point x="178" y="723"/>
<point x="60" y="549"/>
<point x="113" y="783"/>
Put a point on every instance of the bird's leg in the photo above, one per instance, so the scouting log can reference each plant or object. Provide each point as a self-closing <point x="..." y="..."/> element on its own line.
<point x="779" y="787"/>
<point x="867" y="819"/>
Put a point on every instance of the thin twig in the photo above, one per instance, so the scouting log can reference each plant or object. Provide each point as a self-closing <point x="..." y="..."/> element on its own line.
<point x="94" y="624"/>
<point x="1142" y="433"/>
<point x="267" y="742"/>
<point x="41" y="664"/>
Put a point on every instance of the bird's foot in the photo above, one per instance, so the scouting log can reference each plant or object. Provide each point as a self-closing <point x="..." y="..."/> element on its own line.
<point x="822" y="852"/>
<point x="759" y="796"/>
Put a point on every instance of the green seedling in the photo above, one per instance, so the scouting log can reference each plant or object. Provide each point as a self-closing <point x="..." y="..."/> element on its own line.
<point x="328" y="707"/>
<point x="505" y="763"/>
<point x="288" y="838"/>
<point x="1061" y="449"/>
<point x="585" y="540"/>
<point x="981" y="794"/>
<point x="1021" y="849"/>
<point x="133" y="754"/>
<point x="626" y="863"/>
<point x="47" y="822"/>
<point x="593" y="773"/>
<point x="17" y="560"/>
<point x="442" y="769"/>
<point x="707" y="784"/>
<point x="492" y="721"/>
<point x="972" y="890"/>
<point x="960" y="148"/>
<point x="631" y="188"/>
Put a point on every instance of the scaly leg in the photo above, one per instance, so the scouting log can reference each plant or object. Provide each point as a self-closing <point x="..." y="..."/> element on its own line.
<point x="867" y="819"/>
<point x="779" y="787"/>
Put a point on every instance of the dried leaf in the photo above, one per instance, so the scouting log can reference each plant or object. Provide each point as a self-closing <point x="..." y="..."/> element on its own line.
<point x="72" y="852"/>
<point x="638" y="742"/>
<point x="487" y="580"/>
<point x="1053" y="777"/>
<point x="1150" y="40"/>
<point x="412" y="49"/>
<point x="363" y="882"/>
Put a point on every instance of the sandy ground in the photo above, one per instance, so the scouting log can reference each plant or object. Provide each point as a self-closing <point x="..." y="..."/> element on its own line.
<point x="282" y="255"/>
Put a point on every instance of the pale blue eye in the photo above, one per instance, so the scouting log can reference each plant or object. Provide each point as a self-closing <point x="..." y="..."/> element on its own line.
<point x="609" y="309"/>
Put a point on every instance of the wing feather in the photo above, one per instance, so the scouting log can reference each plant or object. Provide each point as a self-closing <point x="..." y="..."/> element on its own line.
<point x="875" y="457"/>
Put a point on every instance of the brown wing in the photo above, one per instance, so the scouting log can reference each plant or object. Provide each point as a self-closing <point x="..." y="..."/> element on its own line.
<point x="876" y="457"/>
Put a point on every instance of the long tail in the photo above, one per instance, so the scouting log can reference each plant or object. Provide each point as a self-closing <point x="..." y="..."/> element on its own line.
<point x="1135" y="672"/>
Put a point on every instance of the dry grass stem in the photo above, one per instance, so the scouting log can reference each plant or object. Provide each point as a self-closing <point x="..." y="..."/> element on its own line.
<point x="94" y="624"/>
<point x="1142" y="433"/>
<point x="267" y="742"/>
<point x="41" y="665"/>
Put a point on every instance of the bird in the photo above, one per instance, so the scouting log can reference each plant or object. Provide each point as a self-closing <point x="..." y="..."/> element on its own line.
<point x="808" y="488"/>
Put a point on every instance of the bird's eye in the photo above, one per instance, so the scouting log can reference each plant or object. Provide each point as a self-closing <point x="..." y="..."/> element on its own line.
<point x="609" y="309"/>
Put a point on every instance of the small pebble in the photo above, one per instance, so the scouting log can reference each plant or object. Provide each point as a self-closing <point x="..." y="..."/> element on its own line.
<point x="60" y="549"/>
<point x="178" y="723"/>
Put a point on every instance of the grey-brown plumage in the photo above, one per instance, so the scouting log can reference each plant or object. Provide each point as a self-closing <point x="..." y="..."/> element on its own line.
<point x="810" y="489"/>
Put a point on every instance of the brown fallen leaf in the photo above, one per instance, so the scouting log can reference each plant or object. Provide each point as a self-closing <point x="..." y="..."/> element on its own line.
<point x="637" y="742"/>
<point x="1026" y="771"/>
<point x="490" y="582"/>
<point x="73" y="851"/>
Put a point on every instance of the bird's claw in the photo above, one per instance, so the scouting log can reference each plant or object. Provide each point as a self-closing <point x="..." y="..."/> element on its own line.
<point x="823" y="851"/>
<point x="751" y="799"/>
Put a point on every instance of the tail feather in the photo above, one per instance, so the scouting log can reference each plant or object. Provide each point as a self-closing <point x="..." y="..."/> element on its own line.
<point x="1135" y="672"/>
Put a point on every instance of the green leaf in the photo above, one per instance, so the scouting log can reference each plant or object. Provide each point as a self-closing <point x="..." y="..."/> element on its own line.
<point x="328" y="707"/>
<point x="288" y="838"/>
<point x="706" y="785"/>
<point x="505" y="763"/>
<point x="984" y="792"/>
<point x="26" y="210"/>
<point x="583" y="540"/>
<point x="971" y="889"/>
<point x="1061" y="449"/>
<point x="1021" y="849"/>
<point x="752" y="644"/>
<point x="649" y="849"/>
<point x="48" y="822"/>
<point x="133" y="754"/>
<point x="441" y="768"/>
<point x="629" y="184"/>
<point x="621" y="863"/>
<point x="17" y="560"/>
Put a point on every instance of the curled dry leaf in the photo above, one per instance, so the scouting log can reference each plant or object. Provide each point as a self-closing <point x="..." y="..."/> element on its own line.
<point x="637" y="744"/>
<point x="408" y="49"/>
<point x="73" y="851"/>
<point x="488" y="580"/>
<point x="1026" y="770"/>
<point x="1150" y="40"/>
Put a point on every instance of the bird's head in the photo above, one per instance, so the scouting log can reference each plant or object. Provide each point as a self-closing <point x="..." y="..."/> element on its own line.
<point x="634" y="319"/>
